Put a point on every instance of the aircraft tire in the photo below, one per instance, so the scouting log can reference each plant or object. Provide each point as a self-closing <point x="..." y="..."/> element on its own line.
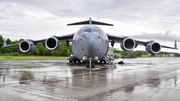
<point x="92" y="65"/>
<point x="100" y="61"/>
<point x="87" y="64"/>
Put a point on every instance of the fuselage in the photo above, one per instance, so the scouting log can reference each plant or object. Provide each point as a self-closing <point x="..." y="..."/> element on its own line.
<point x="90" y="42"/>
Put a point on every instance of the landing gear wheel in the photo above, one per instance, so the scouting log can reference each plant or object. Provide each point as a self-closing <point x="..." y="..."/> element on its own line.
<point x="92" y="65"/>
<point x="100" y="61"/>
<point x="87" y="64"/>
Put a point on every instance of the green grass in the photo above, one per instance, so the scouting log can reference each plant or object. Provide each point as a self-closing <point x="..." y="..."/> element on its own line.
<point x="152" y="57"/>
<point x="145" y="57"/>
<point x="31" y="58"/>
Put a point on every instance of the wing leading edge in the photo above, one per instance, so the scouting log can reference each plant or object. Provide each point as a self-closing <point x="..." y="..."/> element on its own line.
<point x="64" y="38"/>
<point x="113" y="38"/>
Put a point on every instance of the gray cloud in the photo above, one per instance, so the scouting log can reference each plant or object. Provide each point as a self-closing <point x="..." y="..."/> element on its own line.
<point x="138" y="8"/>
<point x="167" y="36"/>
<point x="121" y="10"/>
<point x="157" y="14"/>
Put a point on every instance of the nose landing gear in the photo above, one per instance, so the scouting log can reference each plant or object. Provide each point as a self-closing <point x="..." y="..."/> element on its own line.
<point x="90" y="62"/>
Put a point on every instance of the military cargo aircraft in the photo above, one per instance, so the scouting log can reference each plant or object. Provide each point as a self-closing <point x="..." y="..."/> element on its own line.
<point x="90" y="43"/>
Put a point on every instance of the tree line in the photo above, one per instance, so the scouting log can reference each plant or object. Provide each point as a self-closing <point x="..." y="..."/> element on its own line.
<point x="140" y="53"/>
<point x="40" y="50"/>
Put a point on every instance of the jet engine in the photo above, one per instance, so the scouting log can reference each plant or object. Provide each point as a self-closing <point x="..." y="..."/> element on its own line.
<point x="52" y="43"/>
<point x="128" y="44"/>
<point x="26" y="46"/>
<point x="153" y="47"/>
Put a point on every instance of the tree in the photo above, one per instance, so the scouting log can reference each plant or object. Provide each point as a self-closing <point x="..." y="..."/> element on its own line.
<point x="123" y="53"/>
<point x="1" y="41"/>
<point x="47" y="52"/>
<point x="8" y="41"/>
<point x="41" y="49"/>
<point x="35" y="52"/>
<point x="20" y="40"/>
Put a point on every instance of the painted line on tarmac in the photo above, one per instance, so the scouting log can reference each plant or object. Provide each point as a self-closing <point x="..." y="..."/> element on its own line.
<point x="52" y="82"/>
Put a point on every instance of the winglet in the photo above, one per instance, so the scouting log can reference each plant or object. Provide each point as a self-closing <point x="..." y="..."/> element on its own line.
<point x="4" y="42"/>
<point x="175" y="45"/>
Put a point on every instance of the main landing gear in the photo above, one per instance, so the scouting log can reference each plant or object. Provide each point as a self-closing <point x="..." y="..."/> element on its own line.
<point x="77" y="61"/>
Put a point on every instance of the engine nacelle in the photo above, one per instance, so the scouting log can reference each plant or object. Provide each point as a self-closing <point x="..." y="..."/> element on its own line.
<point x="26" y="46"/>
<point x="153" y="47"/>
<point x="128" y="44"/>
<point x="52" y="43"/>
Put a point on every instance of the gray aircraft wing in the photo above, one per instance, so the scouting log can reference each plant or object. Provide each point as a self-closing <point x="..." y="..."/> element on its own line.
<point x="64" y="38"/>
<point x="113" y="38"/>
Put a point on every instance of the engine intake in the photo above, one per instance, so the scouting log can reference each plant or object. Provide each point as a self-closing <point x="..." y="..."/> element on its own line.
<point x="153" y="47"/>
<point x="26" y="46"/>
<point x="52" y="43"/>
<point x="128" y="44"/>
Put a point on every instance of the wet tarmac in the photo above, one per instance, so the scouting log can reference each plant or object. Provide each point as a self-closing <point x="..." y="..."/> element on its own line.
<point x="141" y="79"/>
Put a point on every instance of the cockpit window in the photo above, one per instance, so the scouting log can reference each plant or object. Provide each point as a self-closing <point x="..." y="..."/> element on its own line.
<point x="90" y="30"/>
<point x="87" y="30"/>
<point x="93" y="30"/>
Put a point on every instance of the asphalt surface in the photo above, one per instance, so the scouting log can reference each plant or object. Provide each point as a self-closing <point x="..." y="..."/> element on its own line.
<point x="142" y="79"/>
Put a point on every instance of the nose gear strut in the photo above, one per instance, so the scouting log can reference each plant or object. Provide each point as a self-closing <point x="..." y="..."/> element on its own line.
<point x="91" y="61"/>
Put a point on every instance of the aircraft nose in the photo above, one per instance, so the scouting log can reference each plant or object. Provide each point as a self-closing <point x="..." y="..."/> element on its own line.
<point x="92" y="40"/>
<point x="92" y="47"/>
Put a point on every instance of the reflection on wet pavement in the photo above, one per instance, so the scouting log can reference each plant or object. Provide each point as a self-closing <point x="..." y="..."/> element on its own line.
<point x="142" y="79"/>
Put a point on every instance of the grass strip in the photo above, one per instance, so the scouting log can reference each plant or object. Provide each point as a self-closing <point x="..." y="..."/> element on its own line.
<point x="31" y="58"/>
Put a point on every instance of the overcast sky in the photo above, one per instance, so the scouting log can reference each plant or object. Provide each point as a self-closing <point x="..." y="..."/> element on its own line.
<point x="157" y="20"/>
